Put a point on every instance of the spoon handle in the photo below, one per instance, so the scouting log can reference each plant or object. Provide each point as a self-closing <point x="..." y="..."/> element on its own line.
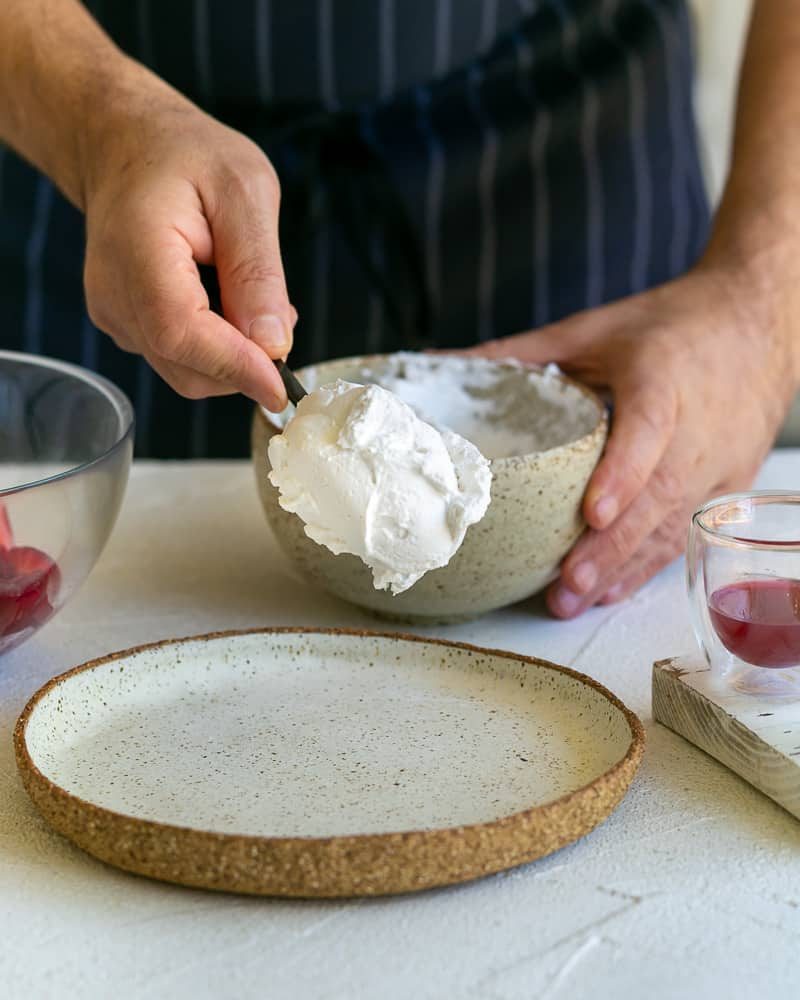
<point x="294" y="389"/>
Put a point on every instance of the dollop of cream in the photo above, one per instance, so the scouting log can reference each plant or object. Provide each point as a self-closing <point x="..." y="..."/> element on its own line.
<point x="369" y="477"/>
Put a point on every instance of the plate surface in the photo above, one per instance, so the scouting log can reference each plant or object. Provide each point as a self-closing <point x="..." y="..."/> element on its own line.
<point x="311" y="762"/>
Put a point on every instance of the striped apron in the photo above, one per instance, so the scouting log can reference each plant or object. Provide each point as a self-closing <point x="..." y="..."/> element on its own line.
<point x="451" y="172"/>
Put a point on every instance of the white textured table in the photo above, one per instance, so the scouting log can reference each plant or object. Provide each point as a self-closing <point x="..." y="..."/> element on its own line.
<point x="691" y="889"/>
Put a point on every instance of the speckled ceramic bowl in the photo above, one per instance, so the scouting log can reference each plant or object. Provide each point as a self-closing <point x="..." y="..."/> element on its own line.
<point x="534" y="516"/>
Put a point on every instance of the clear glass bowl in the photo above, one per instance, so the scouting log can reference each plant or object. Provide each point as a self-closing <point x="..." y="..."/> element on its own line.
<point x="66" y="441"/>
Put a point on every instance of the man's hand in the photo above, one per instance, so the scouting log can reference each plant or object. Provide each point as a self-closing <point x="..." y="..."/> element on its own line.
<point x="701" y="380"/>
<point x="164" y="187"/>
<point x="167" y="188"/>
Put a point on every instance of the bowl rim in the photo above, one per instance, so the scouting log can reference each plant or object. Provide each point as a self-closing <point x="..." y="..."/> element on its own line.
<point x="122" y="405"/>
<point x="599" y="427"/>
<point x="733" y="540"/>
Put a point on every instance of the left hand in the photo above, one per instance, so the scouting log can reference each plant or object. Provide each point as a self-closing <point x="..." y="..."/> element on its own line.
<point x="702" y="371"/>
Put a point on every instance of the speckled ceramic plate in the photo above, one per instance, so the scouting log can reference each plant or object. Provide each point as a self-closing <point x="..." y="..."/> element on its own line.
<point x="308" y="762"/>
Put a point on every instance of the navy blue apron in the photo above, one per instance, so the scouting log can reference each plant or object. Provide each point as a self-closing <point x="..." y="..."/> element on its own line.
<point x="450" y="173"/>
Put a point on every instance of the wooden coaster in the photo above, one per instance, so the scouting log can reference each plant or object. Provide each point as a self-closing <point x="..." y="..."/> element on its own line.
<point x="758" y="739"/>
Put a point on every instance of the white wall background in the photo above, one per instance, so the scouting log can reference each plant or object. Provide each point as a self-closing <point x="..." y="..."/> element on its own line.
<point x="720" y="29"/>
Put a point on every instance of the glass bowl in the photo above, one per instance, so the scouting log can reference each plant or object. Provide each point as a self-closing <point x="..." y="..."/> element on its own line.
<point x="66" y="441"/>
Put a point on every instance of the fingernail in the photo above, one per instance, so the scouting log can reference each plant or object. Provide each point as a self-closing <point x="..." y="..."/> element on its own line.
<point x="613" y="595"/>
<point x="584" y="577"/>
<point x="270" y="334"/>
<point x="274" y="404"/>
<point x="606" y="510"/>
<point x="566" y="603"/>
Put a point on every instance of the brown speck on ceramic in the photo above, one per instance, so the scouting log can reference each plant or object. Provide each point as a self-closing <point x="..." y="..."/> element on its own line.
<point x="533" y="519"/>
<point x="323" y="762"/>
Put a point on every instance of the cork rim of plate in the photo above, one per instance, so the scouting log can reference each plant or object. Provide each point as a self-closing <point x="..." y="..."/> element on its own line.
<point x="350" y="865"/>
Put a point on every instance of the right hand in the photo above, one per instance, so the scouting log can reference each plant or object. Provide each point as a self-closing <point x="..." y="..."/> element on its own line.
<point x="166" y="187"/>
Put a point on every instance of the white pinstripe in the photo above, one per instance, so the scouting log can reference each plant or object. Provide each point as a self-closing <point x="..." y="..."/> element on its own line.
<point x="145" y="31"/>
<point x="202" y="51"/>
<point x="593" y="176"/>
<point x="434" y="193"/>
<point x="437" y="165"/>
<point x="540" y="227"/>
<point x="327" y="68"/>
<point x="34" y="252"/>
<point x="387" y="54"/>
<point x="144" y="405"/>
<point x="487" y="258"/>
<point x="488" y="29"/>
<point x="642" y="184"/>
<point x="88" y="344"/>
<point x="441" y="57"/>
<point x="198" y="433"/>
<point x="263" y="40"/>
<point x="643" y="181"/>
<point x="322" y="248"/>
<point x="375" y="313"/>
<point x="541" y="222"/>
<point x="487" y="172"/>
<point x="679" y="246"/>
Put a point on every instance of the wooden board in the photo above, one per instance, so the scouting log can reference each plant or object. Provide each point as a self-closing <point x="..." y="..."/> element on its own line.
<point x="758" y="739"/>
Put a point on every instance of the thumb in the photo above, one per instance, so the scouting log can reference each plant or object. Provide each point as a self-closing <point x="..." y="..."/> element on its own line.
<point x="559" y="342"/>
<point x="645" y="416"/>
<point x="249" y="266"/>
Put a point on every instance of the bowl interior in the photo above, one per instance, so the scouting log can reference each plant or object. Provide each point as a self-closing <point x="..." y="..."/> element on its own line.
<point x="505" y="409"/>
<point x="54" y="417"/>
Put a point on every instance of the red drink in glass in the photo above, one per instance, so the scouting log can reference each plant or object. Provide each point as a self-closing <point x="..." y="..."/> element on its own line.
<point x="759" y="620"/>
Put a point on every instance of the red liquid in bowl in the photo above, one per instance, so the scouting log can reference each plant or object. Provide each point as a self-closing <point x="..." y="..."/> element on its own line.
<point x="759" y="621"/>
<point x="29" y="582"/>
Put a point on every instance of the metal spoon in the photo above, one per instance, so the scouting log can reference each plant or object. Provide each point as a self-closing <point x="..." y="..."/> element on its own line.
<point x="294" y="389"/>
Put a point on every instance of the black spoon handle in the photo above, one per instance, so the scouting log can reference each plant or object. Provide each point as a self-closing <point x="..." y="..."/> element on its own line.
<point x="294" y="390"/>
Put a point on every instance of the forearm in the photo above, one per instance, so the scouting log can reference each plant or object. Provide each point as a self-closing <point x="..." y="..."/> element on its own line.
<point x="757" y="228"/>
<point x="64" y="84"/>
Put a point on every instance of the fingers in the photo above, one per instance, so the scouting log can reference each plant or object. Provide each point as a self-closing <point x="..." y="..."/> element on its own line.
<point x="657" y="554"/>
<point x="211" y="347"/>
<point x="179" y="329"/>
<point x="556" y="342"/>
<point x="244" y="223"/>
<point x="566" y="341"/>
<point x="601" y="557"/>
<point x="645" y="416"/>
<point x="186" y="382"/>
<point x="667" y="542"/>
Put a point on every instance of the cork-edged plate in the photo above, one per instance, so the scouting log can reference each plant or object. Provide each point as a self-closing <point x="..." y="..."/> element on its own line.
<point x="323" y="762"/>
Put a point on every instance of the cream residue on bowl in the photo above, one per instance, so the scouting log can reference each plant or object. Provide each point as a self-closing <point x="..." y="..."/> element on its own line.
<point x="503" y="408"/>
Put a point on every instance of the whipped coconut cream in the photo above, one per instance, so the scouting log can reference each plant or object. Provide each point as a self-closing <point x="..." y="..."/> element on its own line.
<point x="369" y="477"/>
